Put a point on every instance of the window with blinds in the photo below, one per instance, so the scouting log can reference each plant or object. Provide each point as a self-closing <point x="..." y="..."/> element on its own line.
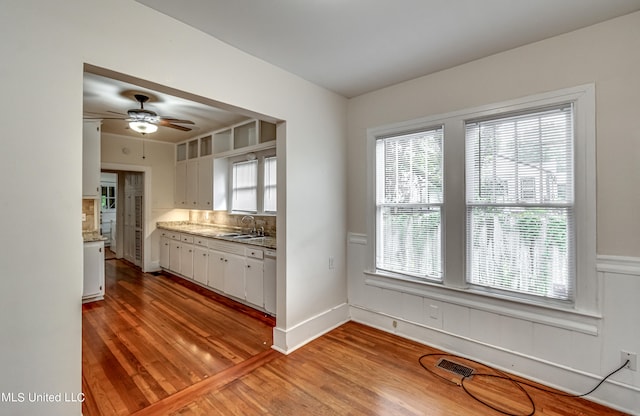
<point x="244" y="189"/>
<point x="409" y="195"/>
<point x="270" y="184"/>
<point x="520" y="203"/>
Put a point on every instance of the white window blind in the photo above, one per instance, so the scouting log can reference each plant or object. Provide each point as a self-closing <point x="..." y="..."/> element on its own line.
<point x="270" y="184"/>
<point x="245" y="186"/>
<point x="520" y="203"/>
<point x="409" y="203"/>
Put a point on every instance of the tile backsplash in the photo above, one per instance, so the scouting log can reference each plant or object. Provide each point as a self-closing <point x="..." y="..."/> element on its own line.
<point x="233" y="220"/>
<point x="90" y="214"/>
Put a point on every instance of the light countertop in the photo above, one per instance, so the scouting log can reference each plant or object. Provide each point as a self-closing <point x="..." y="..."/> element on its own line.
<point x="91" y="236"/>
<point x="214" y="231"/>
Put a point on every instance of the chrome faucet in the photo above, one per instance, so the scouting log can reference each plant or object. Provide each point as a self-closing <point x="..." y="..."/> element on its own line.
<point x="253" y="220"/>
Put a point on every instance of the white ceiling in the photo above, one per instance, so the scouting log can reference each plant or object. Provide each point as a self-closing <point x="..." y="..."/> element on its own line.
<point x="356" y="46"/>
<point x="111" y="95"/>
<point x="347" y="46"/>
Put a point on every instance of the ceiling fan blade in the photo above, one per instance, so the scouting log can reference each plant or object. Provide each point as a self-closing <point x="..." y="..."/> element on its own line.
<point x="175" y="120"/>
<point x="98" y="117"/>
<point x="165" y="123"/>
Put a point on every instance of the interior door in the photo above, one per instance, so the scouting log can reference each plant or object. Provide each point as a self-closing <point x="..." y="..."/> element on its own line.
<point x="133" y="217"/>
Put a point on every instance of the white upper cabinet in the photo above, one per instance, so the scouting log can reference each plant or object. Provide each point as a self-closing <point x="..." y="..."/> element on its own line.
<point x="246" y="137"/>
<point x="201" y="170"/>
<point x="91" y="159"/>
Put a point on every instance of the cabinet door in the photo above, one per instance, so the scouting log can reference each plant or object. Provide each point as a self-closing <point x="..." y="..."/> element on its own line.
<point x="270" y="285"/>
<point x="234" y="275"/>
<point x="200" y="264"/>
<point x="215" y="270"/>
<point x="91" y="159"/>
<point x="93" y="282"/>
<point x="254" y="281"/>
<point x="220" y="183"/>
<point x="164" y="252"/>
<point x="186" y="260"/>
<point x="192" y="184"/>
<point x="174" y="256"/>
<point x="205" y="183"/>
<point x="180" y="193"/>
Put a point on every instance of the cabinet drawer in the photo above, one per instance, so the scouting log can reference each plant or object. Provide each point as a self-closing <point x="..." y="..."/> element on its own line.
<point x="201" y="241"/>
<point x="253" y="252"/>
<point x="233" y="248"/>
<point x="173" y="236"/>
<point x="186" y="238"/>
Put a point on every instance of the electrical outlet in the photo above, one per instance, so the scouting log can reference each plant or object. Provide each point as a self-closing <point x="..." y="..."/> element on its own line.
<point x="331" y="262"/>
<point x="631" y="356"/>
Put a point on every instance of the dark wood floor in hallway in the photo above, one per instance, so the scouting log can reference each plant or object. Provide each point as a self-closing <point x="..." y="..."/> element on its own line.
<point x="157" y="347"/>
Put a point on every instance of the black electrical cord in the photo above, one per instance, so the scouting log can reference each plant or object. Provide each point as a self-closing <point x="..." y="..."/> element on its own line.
<point x="503" y="376"/>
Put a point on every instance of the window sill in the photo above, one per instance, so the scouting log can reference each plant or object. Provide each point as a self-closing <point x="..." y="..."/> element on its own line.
<point x="551" y="315"/>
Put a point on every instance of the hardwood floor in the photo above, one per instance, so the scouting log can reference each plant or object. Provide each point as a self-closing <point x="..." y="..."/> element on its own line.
<point x="152" y="337"/>
<point x="155" y="347"/>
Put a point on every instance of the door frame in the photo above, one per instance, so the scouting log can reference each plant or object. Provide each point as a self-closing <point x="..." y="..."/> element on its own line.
<point x="146" y="227"/>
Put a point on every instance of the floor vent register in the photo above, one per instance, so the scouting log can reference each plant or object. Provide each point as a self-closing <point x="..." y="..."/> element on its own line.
<point x="455" y="368"/>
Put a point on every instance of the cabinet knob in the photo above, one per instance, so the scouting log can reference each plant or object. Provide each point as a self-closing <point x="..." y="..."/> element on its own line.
<point x="248" y="266"/>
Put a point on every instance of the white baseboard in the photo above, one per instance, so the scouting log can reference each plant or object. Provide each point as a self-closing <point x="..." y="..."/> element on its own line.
<point x="532" y="368"/>
<point x="288" y="340"/>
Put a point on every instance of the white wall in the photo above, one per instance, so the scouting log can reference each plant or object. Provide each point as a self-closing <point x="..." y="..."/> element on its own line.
<point x="571" y="355"/>
<point x="44" y="47"/>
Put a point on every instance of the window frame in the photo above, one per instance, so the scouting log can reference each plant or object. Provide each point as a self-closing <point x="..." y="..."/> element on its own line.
<point x="453" y="286"/>
<point x="414" y="206"/>
<point x="108" y="202"/>
<point x="264" y="186"/>
<point x="260" y="157"/>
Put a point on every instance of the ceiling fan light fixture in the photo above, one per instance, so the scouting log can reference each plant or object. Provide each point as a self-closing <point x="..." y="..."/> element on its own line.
<point x="143" y="127"/>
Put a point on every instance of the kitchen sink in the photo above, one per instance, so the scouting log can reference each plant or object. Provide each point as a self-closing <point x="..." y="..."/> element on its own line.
<point x="243" y="237"/>
<point x="236" y="236"/>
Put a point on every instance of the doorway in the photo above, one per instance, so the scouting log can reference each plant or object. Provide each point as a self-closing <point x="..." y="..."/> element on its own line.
<point x="128" y="223"/>
<point x="108" y="206"/>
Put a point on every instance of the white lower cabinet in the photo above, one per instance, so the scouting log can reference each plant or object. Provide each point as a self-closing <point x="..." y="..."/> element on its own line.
<point x="164" y="252"/>
<point x="200" y="264"/>
<point x="215" y="271"/>
<point x="234" y="269"/>
<point x="270" y="281"/>
<point x="174" y="256"/>
<point x="186" y="260"/>
<point x="93" y="282"/>
<point x="234" y="277"/>
<point x="254" y="282"/>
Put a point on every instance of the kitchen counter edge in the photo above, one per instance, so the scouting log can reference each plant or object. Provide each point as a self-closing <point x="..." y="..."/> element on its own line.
<point x="210" y="231"/>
